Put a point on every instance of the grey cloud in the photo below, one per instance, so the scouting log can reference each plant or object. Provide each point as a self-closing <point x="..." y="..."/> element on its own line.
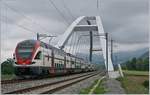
<point x="125" y="20"/>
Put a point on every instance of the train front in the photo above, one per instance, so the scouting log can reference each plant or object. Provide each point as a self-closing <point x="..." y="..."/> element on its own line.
<point x="24" y="55"/>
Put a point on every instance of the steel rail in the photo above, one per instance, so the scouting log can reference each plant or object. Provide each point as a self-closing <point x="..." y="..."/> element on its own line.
<point x="21" y="91"/>
<point x="68" y="84"/>
<point x="27" y="80"/>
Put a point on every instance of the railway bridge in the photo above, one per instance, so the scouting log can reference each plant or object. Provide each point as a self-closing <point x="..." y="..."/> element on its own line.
<point x="89" y="25"/>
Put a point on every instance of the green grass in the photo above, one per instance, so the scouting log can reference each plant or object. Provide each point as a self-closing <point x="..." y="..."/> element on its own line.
<point x="133" y="81"/>
<point x="98" y="90"/>
<point x="136" y="73"/>
<point x="87" y="90"/>
<point x="133" y="85"/>
<point x="7" y="77"/>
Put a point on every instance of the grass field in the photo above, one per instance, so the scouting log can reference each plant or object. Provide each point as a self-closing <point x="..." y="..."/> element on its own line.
<point x="98" y="90"/>
<point x="133" y="82"/>
<point x="140" y="73"/>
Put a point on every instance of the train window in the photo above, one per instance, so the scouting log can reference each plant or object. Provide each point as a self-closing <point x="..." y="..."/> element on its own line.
<point x="24" y="53"/>
<point x="59" y="66"/>
<point x="55" y="65"/>
<point x="38" y="56"/>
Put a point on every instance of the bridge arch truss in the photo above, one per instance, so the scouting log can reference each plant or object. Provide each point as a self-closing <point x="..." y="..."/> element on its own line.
<point x="76" y="26"/>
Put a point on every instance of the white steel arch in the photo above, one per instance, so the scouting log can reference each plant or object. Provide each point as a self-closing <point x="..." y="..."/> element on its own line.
<point x="98" y="27"/>
<point x="68" y="32"/>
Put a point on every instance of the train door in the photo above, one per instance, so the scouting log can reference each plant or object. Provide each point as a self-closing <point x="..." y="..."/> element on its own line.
<point x="49" y="58"/>
<point x="38" y="58"/>
<point x="65" y="63"/>
<point x="52" y="68"/>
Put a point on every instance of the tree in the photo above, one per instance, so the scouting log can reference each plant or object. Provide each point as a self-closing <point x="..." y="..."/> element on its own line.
<point x="133" y="63"/>
<point x="139" y="64"/>
<point x="7" y="66"/>
<point x="146" y="64"/>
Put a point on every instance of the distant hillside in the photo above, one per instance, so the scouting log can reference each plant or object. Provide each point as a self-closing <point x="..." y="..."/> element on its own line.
<point x="119" y="57"/>
<point x="124" y="56"/>
<point x="140" y="63"/>
<point x="145" y="55"/>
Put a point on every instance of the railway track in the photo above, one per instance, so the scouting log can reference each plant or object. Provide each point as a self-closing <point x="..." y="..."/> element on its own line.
<point x="15" y="81"/>
<point x="26" y="80"/>
<point x="67" y="84"/>
<point x="52" y="87"/>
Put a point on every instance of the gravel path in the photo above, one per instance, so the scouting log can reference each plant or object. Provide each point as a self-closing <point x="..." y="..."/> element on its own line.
<point x="76" y="88"/>
<point x="113" y="86"/>
<point x="15" y="86"/>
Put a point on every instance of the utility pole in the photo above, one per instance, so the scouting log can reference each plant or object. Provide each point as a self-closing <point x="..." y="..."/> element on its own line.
<point x="91" y="42"/>
<point x="38" y="37"/>
<point x="43" y="36"/>
<point x="91" y="45"/>
<point x="116" y="59"/>
<point x="112" y="50"/>
<point x="106" y="34"/>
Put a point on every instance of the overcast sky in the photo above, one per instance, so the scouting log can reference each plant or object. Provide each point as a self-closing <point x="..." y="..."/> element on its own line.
<point x="125" y="20"/>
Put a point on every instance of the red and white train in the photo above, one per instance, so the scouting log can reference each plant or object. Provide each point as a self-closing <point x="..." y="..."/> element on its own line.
<point x="34" y="58"/>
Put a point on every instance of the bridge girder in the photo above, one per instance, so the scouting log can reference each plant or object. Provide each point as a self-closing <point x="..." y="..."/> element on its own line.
<point x="74" y="27"/>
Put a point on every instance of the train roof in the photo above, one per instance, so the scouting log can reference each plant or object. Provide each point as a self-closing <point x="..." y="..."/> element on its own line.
<point x="35" y="41"/>
<point x="45" y="45"/>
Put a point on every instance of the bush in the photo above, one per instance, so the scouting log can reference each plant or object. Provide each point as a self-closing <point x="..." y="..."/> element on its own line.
<point x="7" y="67"/>
<point x="140" y="64"/>
<point x="146" y="84"/>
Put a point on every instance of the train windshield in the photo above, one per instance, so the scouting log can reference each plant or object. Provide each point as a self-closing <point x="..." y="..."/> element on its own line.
<point x="25" y="49"/>
<point x="24" y="53"/>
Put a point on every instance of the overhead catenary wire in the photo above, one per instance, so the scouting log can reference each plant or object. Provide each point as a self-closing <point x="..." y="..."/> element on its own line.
<point x="65" y="6"/>
<point x="19" y="25"/>
<point x="61" y="14"/>
<point x="25" y="16"/>
<point x="70" y="42"/>
<point x="81" y="47"/>
<point x="74" y="42"/>
<point x="84" y="45"/>
<point x="97" y="4"/>
<point x="85" y="48"/>
<point x="77" y="44"/>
